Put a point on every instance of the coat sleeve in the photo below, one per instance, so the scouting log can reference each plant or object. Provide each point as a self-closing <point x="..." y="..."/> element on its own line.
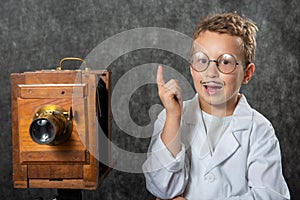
<point x="166" y="176"/>
<point x="265" y="177"/>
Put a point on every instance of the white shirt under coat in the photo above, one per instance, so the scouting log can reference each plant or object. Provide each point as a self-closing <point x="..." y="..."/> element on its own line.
<point x="246" y="162"/>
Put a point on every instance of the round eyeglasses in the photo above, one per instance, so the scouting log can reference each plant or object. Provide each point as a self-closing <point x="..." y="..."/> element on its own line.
<point x="226" y="63"/>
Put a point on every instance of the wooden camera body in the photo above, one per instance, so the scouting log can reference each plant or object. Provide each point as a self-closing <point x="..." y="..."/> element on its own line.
<point x="55" y="128"/>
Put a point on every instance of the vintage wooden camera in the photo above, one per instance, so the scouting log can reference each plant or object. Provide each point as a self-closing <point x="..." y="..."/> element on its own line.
<point x="57" y="117"/>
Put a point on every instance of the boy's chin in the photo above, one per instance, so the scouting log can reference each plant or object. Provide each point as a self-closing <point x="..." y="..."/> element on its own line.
<point x="213" y="97"/>
<point x="219" y="101"/>
<point x="214" y="100"/>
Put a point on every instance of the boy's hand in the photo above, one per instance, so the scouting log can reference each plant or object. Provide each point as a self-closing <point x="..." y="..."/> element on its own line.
<point x="170" y="94"/>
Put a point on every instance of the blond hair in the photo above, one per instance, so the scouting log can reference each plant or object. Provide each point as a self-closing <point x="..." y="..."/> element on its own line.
<point x="235" y="25"/>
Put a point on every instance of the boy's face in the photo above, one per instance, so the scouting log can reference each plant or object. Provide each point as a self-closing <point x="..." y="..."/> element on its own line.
<point x="214" y="87"/>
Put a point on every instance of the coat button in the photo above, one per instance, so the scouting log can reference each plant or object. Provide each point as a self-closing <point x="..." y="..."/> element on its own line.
<point x="210" y="177"/>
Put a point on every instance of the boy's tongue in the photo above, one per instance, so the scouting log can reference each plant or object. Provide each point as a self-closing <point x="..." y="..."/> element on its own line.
<point x="212" y="87"/>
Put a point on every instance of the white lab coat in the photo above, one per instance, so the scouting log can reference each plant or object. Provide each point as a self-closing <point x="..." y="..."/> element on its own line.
<point x="246" y="163"/>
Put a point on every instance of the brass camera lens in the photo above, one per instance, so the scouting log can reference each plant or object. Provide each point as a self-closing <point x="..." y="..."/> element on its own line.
<point x="51" y="125"/>
<point x="42" y="131"/>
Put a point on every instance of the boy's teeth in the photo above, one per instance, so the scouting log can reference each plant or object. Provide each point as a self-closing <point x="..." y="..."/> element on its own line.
<point x="211" y="90"/>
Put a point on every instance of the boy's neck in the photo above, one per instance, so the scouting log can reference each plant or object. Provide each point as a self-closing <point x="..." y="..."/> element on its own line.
<point x="221" y="110"/>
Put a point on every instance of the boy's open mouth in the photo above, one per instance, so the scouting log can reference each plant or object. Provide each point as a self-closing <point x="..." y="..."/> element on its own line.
<point x="212" y="87"/>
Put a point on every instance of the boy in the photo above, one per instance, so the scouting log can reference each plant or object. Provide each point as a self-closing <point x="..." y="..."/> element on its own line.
<point x="215" y="146"/>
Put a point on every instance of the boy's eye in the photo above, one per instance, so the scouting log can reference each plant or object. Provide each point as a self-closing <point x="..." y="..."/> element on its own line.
<point x="225" y="62"/>
<point x="200" y="58"/>
<point x="226" y="59"/>
<point x="202" y="61"/>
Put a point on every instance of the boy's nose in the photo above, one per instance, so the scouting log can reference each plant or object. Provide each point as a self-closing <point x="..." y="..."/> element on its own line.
<point x="212" y="70"/>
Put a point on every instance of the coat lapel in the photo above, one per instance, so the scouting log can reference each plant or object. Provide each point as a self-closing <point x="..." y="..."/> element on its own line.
<point x="190" y="121"/>
<point x="227" y="145"/>
<point x="231" y="139"/>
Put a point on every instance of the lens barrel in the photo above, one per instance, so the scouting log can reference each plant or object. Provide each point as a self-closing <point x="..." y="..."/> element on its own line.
<point x="51" y="125"/>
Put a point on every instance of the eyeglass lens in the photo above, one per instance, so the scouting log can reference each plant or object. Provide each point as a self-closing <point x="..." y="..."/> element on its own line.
<point x="226" y="63"/>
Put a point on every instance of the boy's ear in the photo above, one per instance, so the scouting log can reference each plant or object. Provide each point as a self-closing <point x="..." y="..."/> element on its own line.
<point x="249" y="72"/>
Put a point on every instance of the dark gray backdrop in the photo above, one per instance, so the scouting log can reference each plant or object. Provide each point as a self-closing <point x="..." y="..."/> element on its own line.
<point x="37" y="34"/>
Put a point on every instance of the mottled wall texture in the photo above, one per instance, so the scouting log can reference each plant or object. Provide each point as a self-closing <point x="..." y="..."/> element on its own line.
<point x="37" y="34"/>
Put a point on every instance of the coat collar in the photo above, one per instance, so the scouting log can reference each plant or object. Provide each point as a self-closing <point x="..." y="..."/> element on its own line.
<point x="230" y="141"/>
<point x="242" y="113"/>
<point x="191" y="111"/>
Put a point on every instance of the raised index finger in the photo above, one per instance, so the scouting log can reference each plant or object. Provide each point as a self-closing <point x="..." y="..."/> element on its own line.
<point x="160" y="76"/>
